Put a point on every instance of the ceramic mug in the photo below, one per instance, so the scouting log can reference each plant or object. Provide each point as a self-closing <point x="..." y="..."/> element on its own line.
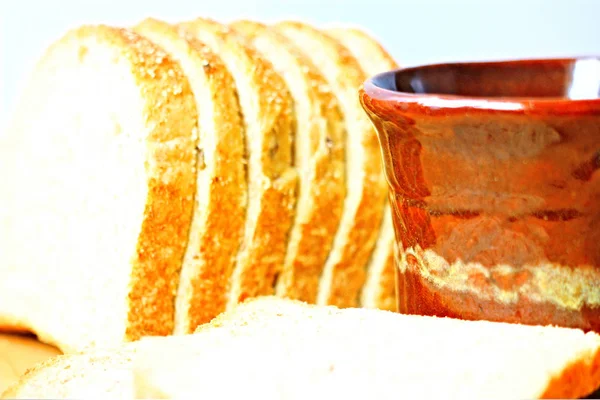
<point x="495" y="189"/>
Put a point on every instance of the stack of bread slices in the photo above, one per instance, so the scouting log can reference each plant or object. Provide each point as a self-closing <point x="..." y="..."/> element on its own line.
<point x="156" y="175"/>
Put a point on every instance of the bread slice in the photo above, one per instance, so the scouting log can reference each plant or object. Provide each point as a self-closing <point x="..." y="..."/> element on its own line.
<point x="97" y="192"/>
<point x="324" y="352"/>
<point x="371" y="55"/>
<point x="267" y="110"/>
<point x="344" y="271"/>
<point x="220" y="204"/>
<point x="318" y="157"/>
<point x="379" y="290"/>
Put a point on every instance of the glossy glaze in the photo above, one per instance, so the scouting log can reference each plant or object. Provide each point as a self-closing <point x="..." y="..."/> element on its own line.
<point x="492" y="169"/>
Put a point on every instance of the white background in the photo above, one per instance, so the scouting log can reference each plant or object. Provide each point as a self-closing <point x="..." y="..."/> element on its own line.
<point x="413" y="31"/>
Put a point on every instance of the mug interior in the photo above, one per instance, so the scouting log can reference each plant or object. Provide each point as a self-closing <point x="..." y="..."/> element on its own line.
<point x="575" y="79"/>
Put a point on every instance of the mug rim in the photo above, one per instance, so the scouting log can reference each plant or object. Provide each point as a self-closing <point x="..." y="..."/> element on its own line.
<point x="435" y="103"/>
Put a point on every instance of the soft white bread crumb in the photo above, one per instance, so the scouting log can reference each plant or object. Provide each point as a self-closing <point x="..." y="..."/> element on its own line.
<point x="282" y="349"/>
<point x="220" y="203"/>
<point x="267" y="112"/>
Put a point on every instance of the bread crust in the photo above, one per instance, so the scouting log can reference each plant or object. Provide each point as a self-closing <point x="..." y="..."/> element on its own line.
<point x="379" y="290"/>
<point x="319" y="158"/>
<point x="220" y="202"/>
<point x="267" y="110"/>
<point x="344" y="271"/>
<point x="170" y="116"/>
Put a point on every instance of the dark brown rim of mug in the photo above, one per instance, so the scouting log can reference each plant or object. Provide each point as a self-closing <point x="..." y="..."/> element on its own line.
<point x="444" y="104"/>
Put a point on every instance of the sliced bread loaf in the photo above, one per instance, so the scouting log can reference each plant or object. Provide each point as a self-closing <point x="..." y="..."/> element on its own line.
<point x="98" y="180"/>
<point x="344" y="271"/>
<point x="318" y="157"/>
<point x="220" y="202"/>
<point x="379" y="290"/>
<point x="267" y="111"/>
<point x="280" y="349"/>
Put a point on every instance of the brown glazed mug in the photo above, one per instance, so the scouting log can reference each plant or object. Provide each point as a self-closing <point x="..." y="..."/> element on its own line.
<point x="495" y="189"/>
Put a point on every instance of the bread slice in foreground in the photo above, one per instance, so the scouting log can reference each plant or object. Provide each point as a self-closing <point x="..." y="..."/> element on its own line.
<point x="220" y="202"/>
<point x="267" y="111"/>
<point x="379" y="290"/>
<point x="98" y="180"/>
<point x="318" y="157"/>
<point x="344" y="271"/>
<point x="281" y="349"/>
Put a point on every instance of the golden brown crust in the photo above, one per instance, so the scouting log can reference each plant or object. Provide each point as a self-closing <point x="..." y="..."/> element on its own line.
<point x="319" y="158"/>
<point x="379" y="290"/>
<point x="386" y="300"/>
<point x="344" y="272"/>
<point x="220" y="201"/>
<point x="267" y="109"/>
<point x="171" y="115"/>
